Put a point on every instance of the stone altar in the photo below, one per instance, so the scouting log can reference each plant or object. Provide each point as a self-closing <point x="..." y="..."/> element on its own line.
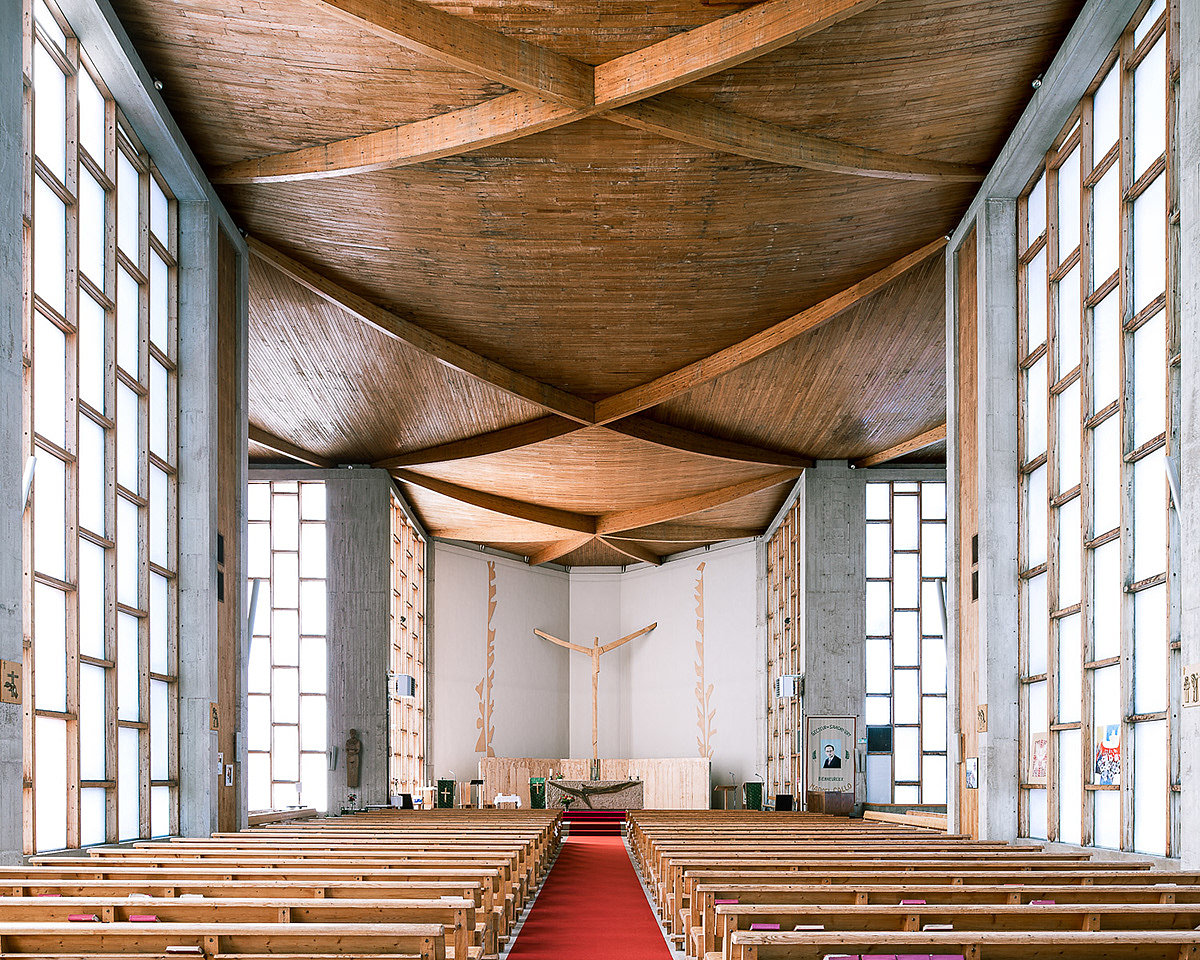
<point x="595" y="794"/>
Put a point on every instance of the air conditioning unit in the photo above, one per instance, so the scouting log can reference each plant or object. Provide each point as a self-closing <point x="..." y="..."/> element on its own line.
<point x="402" y="685"/>
<point x="789" y="685"/>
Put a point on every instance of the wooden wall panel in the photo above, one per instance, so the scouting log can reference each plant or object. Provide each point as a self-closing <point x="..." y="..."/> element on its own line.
<point x="670" y="784"/>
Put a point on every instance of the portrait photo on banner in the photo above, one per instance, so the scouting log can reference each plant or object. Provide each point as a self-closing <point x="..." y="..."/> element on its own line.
<point x="831" y="753"/>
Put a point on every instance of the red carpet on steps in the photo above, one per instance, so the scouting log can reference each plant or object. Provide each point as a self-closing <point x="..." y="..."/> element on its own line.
<point x="591" y="907"/>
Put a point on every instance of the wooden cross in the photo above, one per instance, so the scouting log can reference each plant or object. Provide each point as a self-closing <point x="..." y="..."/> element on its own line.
<point x="595" y="651"/>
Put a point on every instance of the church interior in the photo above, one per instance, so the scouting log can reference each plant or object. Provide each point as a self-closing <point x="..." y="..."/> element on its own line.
<point x="698" y="479"/>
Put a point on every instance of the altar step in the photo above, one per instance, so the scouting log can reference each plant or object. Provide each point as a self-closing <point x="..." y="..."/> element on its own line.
<point x="594" y="823"/>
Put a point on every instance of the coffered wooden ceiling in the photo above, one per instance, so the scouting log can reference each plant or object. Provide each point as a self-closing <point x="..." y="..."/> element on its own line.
<point x="596" y="279"/>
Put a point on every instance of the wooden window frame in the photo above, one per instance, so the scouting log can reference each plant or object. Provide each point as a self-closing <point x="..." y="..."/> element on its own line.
<point x="406" y="715"/>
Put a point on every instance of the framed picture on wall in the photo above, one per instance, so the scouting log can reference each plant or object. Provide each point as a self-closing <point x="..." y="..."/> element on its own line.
<point x="831" y="754"/>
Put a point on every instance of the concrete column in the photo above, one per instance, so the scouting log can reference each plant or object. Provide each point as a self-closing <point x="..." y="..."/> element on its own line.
<point x="998" y="616"/>
<point x="12" y="459"/>
<point x="1188" y="134"/>
<point x="198" y="783"/>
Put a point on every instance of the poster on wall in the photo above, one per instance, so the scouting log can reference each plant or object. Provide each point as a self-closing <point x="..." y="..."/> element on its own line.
<point x="1039" y="759"/>
<point x="831" y="753"/>
<point x="1106" y="764"/>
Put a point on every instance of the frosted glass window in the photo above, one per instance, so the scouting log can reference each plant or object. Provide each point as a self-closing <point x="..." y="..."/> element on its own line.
<point x="50" y="381"/>
<point x="1068" y="205"/>
<point x="312" y="723"/>
<point x="1150" y="650"/>
<point x="1035" y="285"/>
<point x="1107" y="813"/>
<point x="285" y="638"/>
<point x="879" y="778"/>
<point x="1150" y="379"/>
<point x="285" y="752"/>
<point x="49" y="523"/>
<point x="50" y="783"/>
<point x="92" y="722"/>
<point x="878" y="549"/>
<point x="1036" y="504"/>
<point x="259" y="672"/>
<point x="1037" y="814"/>
<point x="1070" y="670"/>
<point x="90" y="464"/>
<point x="258" y="722"/>
<point x="904" y="536"/>
<point x="906" y="639"/>
<point x="1069" y="547"/>
<point x="933" y="724"/>
<point x="1106" y="697"/>
<point x="49" y="247"/>
<point x="878" y="501"/>
<point x="259" y="781"/>
<point x="92" y="367"/>
<point x="1106" y="234"/>
<point x="128" y="197"/>
<point x="1070" y="789"/>
<point x="314" y="672"/>
<point x="45" y="20"/>
<point x="258" y="553"/>
<point x="159" y="505"/>
<point x="91" y="228"/>
<point x="129" y="678"/>
<point x="285" y="695"/>
<point x="159" y="759"/>
<point x="933" y="665"/>
<point x="906" y="707"/>
<point x="312" y="607"/>
<point x="159" y="637"/>
<point x="91" y="116"/>
<point x="128" y="324"/>
<point x="314" y="774"/>
<point x="1149" y="108"/>
<point x="258" y="501"/>
<point x="127" y="552"/>
<point x="933" y="549"/>
<point x="907" y="753"/>
<point x="933" y="778"/>
<point x="49" y="112"/>
<point x="49" y="647"/>
<point x="931" y="609"/>
<point x="312" y="550"/>
<point x="879" y="710"/>
<point x="1106" y="114"/>
<point x="1106" y="476"/>
<point x="1068" y="323"/>
<point x="1150" y="787"/>
<point x="285" y="580"/>
<point x="933" y="501"/>
<point x="1106" y="600"/>
<point x="907" y="794"/>
<point x="285" y="523"/>
<point x="127" y="438"/>
<point x="160" y="412"/>
<point x="91" y="599"/>
<point x="312" y="501"/>
<point x="1037" y="607"/>
<point x="129" y="774"/>
<point x="1038" y="715"/>
<point x="1037" y="209"/>
<point x="1067" y="408"/>
<point x="159" y="212"/>
<point x="879" y="660"/>
<point x="1149" y="517"/>
<point x="160" y="294"/>
<point x="92" y="813"/>
<point x="1035" y="417"/>
<point x="1149" y="244"/>
<point x="160" y="811"/>
<point x="906" y="580"/>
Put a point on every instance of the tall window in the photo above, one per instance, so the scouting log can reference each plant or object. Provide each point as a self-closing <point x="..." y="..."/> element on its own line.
<point x="1098" y="341"/>
<point x="287" y="675"/>
<point x="101" y="723"/>
<point x="406" y="680"/>
<point x="905" y="647"/>
<point x="785" y="656"/>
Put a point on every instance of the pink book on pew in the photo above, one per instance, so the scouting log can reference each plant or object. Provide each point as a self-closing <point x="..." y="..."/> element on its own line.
<point x="143" y="918"/>
<point x="83" y="918"/>
<point x="715" y="902"/>
<point x="912" y="903"/>
<point x="764" y="926"/>
<point x="1041" y="903"/>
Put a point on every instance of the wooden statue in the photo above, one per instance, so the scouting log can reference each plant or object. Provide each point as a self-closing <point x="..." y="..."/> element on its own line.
<point x="595" y="651"/>
<point x="353" y="759"/>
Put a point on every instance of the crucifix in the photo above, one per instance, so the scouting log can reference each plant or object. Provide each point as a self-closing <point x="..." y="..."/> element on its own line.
<point x="595" y="651"/>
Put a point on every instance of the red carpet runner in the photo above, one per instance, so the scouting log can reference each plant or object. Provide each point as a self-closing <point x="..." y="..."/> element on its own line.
<point x="591" y="907"/>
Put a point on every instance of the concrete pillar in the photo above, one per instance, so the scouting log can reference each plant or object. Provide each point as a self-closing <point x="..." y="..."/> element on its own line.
<point x="12" y="460"/>
<point x="1188" y="134"/>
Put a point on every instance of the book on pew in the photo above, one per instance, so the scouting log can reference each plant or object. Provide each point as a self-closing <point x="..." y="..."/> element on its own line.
<point x="1041" y="903"/>
<point x="912" y="903"/>
<point x="764" y="926"/>
<point x="938" y="926"/>
<point x="185" y="951"/>
<point x="83" y="918"/>
<point x="716" y="902"/>
<point x="143" y="918"/>
<point x="808" y="926"/>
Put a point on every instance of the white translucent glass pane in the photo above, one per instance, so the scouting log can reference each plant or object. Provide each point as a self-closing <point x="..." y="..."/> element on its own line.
<point x="1106" y="352"/>
<point x="49" y="647"/>
<point x="312" y="501"/>
<point x="879" y="665"/>
<point x="259" y="781"/>
<point x="159" y="730"/>
<point x="258" y="673"/>
<point x="1037" y="625"/>
<point x="1106" y="114"/>
<point x="906" y="639"/>
<point x="906" y="705"/>
<point x="258" y="501"/>
<point x="127" y="552"/>
<point x="129" y="671"/>
<point x="1149" y="244"/>
<point x="933" y="723"/>
<point x="933" y="779"/>
<point x="49" y="522"/>
<point x="258" y="722"/>
<point x="128" y="197"/>
<point x="879" y="778"/>
<point x="160" y="294"/>
<point x="159" y="412"/>
<point x="90" y="465"/>
<point x="907" y="580"/>
<point x="1150" y="108"/>
<point x="49" y="112"/>
<point x="933" y="665"/>
<point x="933" y="500"/>
<point x="908" y="794"/>
<point x="1069" y="559"/>
<point x="159" y="633"/>
<point x="160" y="811"/>
<point x="50" y="381"/>
<point x="1035" y="543"/>
<point x="1151" y="654"/>
<point x="127" y="438"/>
<point x="905" y="511"/>
<point x="1035" y="287"/>
<point x="285" y="638"/>
<point x="50" y="783"/>
<point x="1068" y="205"/>
<point x="1106" y="230"/>
<point x="92" y="813"/>
<point x="258" y="539"/>
<point x="92" y="726"/>
<point x="1037" y="209"/>
<point x="285" y="753"/>
<point x="91" y="599"/>
<point x="1068" y="323"/>
<point x="1107" y="813"/>
<point x="312" y="723"/>
<point x="931" y="609"/>
<point x="1038" y="717"/>
<point x="91" y="116"/>
<point x="314" y="774"/>
<point x="1150" y="379"/>
<point x="92" y="371"/>
<point x="285" y="585"/>
<point x="1070" y="787"/>
<point x="1106" y="699"/>
<point x="285" y="795"/>
<point x="1035" y="410"/>
<point x="46" y="21"/>
<point x="285" y="695"/>
<point x="285" y="523"/>
<point x="1106" y="600"/>
<point x="91" y="227"/>
<point x="159" y="528"/>
<point x="313" y="673"/>
<point x="879" y="711"/>
<point x="312" y="550"/>
<point x="129" y="772"/>
<point x="1149" y="19"/>
<point x="906" y="749"/>
<point x="1037" y="814"/>
<point x="1106" y="475"/>
<point x="1149" y="516"/>
<point x="1067" y="410"/>
<point x="1070" y="669"/>
<point x="312" y="607"/>
<point x="879" y="550"/>
<point x="933" y="549"/>
<point x="1150" y="787"/>
<point x="128" y="324"/>
<point x="49" y="246"/>
<point x="159" y="213"/>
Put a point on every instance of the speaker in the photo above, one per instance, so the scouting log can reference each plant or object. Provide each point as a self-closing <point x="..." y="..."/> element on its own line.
<point x="783" y="803"/>
<point x="879" y="739"/>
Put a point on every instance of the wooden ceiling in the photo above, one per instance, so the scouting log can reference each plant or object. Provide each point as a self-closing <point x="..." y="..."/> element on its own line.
<point x="596" y="280"/>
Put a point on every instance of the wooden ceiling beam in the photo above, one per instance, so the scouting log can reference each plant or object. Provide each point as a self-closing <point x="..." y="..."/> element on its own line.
<point x="281" y="446"/>
<point x="677" y="438"/>
<point x="716" y="46"/>
<point x="687" y="533"/>
<point x="911" y="445"/>
<point x="506" y="506"/>
<point x="483" y="444"/>
<point x="634" y="551"/>
<point x="470" y="46"/>
<point x="444" y="351"/>
<point x="686" y="378"/>
<point x="560" y="548"/>
<point x="621" y="520"/>
<point x="723" y="131"/>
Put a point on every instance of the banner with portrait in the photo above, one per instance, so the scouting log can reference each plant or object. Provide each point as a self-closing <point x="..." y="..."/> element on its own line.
<point x="831" y="753"/>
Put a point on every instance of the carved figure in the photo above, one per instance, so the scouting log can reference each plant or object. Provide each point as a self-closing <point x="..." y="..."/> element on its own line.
<point x="353" y="759"/>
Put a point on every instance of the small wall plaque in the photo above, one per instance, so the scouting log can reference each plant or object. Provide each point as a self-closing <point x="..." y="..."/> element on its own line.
<point x="10" y="681"/>
<point x="1191" y="685"/>
<point x="214" y="717"/>
<point x="982" y="725"/>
